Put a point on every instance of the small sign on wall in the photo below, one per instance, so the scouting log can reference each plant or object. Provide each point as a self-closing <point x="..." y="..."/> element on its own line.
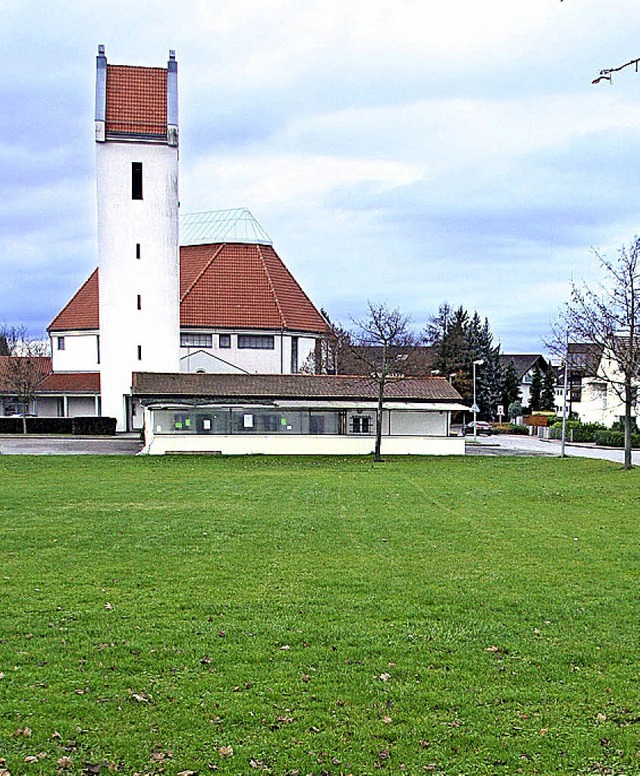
<point x="248" y="421"/>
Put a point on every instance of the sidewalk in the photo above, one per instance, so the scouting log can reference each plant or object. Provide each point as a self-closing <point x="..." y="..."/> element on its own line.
<point x="505" y="444"/>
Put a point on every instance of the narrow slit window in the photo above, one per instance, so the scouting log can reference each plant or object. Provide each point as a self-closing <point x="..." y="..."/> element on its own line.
<point x="139" y="352"/>
<point x="138" y="254"/>
<point x="136" y="180"/>
<point x="139" y="302"/>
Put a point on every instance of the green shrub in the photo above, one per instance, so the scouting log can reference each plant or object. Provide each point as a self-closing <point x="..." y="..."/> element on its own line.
<point x="509" y="428"/>
<point x="88" y="426"/>
<point x="11" y="425"/>
<point x="93" y="426"/>
<point x="615" y="439"/>
<point x="577" y="432"/>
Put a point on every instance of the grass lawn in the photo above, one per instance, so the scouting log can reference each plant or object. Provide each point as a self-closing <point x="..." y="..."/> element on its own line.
<point x="319" y="616"/>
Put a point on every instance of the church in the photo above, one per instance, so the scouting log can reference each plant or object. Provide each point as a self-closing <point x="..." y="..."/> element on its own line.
<point x="203" y="293"/>
<point x="193" y="329"/>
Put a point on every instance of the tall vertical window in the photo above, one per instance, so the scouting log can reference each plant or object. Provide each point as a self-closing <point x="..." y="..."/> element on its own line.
<point x="138" y="254"/>
<point x="98" y="347"/>
<point x="139" y="352"/>
<point x="139" y="302"/>
<point x="60" y="343"/>
<point x="294" y="355"/>
<point x="136" y="180"/>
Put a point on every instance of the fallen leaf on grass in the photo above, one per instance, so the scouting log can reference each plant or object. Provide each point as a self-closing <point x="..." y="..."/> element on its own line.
<point x="384" y="677"/>
<point x="64" y="762"/>
<point x="285" y="647"/>
<point x="108" y="606"/>
<point x="258" y="765"/>
<point x="387" y="720"/>
<point x="140" y="697"/>
<point x="26" y="732"/>
<point x="225" y="751"/>
<point x="187" y="773"/>
<point x="601" y="717"/>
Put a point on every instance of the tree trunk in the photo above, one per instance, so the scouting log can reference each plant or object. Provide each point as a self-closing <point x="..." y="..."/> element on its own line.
<point x="378" y="453"/>
<point x="628" y="400"/>
<point x="24" y="421"/>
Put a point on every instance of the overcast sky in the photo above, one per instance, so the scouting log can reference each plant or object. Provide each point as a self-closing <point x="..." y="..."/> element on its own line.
<point x="407" y="151"/>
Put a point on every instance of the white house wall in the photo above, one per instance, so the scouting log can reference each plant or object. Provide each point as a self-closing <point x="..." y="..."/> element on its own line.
<point x="80" y="352"/>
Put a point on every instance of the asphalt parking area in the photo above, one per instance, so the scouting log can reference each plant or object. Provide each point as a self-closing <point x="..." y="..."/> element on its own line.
<point x="125" y="444"/>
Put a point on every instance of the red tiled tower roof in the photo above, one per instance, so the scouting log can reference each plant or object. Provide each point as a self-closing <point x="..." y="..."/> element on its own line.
<point x="82" y="311"/>
<point x="233" y="285"/>
<point x="136" y="100"/>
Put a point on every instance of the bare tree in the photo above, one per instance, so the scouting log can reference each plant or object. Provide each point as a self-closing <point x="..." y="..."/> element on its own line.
<point x="330" y="353"/>
<point x="608" y="319"/>
<point x="25" y="365"/>
<point x="382" y="340"/>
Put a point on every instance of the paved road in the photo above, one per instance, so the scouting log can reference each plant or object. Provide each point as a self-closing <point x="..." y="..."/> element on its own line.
<point x="127" y="444"/>
<point x="522" y="445"/>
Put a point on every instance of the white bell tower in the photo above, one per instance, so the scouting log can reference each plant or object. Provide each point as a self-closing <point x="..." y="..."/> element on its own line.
<point x="136" y="128"/>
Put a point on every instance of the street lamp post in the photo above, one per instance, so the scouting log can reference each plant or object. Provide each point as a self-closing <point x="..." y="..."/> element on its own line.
<point x="477" y="362"/>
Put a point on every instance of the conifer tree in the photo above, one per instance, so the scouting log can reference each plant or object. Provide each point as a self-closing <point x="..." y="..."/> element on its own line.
<point x="548" y="395"/>
<point x="511" y="385"/>
<point x="536" y="389"/>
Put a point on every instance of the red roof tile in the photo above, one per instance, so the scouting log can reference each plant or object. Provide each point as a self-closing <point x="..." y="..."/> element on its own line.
<point x="242" y="286"/>
<point x="136" y="100"/>
<point x="221" y="286"/>
<point x="82" y="311"/>
<point x="71" y="382"/>
<point x="40" y="364"/>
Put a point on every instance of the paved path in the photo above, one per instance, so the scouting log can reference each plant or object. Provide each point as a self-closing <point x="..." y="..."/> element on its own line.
<point x="126" y="444"/>
<point x="504" y="444"/>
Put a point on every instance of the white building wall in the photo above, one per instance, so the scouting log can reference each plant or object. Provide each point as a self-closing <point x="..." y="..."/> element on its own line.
<point x="80" y="352"/>
<point x="241" y="444"/>
<point x="133" y="339"/>
<point x="235" y="359"/>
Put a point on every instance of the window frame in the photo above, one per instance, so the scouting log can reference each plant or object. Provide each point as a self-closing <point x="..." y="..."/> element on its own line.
<point x="256" y="342"/>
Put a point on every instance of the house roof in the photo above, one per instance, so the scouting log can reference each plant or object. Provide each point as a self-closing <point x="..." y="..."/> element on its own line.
<point x="523" y="362"/>
<point x="50" y="382"/>
<point x="221" y="286"/>
<point x="41" y="365"/>
<point x="243" y="386"/>
<point x="584" y="357"/>
<point x="70" y="382"/>
<point x="82" y="311"/>
<point x="136" y="101"/>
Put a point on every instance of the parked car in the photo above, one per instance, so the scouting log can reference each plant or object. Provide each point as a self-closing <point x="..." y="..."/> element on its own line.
<point x="483" y="427"/>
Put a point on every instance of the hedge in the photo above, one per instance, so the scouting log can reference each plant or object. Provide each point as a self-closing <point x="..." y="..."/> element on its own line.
<point x="577" y="432"/>
<point x="615" y="439"/>
<point x="510" y="428"/>
<point x="89" y="426"/>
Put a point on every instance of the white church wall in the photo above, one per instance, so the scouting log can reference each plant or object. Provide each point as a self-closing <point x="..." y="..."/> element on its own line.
<point x="216" y="359"/>
<point x="75" y="352"/>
